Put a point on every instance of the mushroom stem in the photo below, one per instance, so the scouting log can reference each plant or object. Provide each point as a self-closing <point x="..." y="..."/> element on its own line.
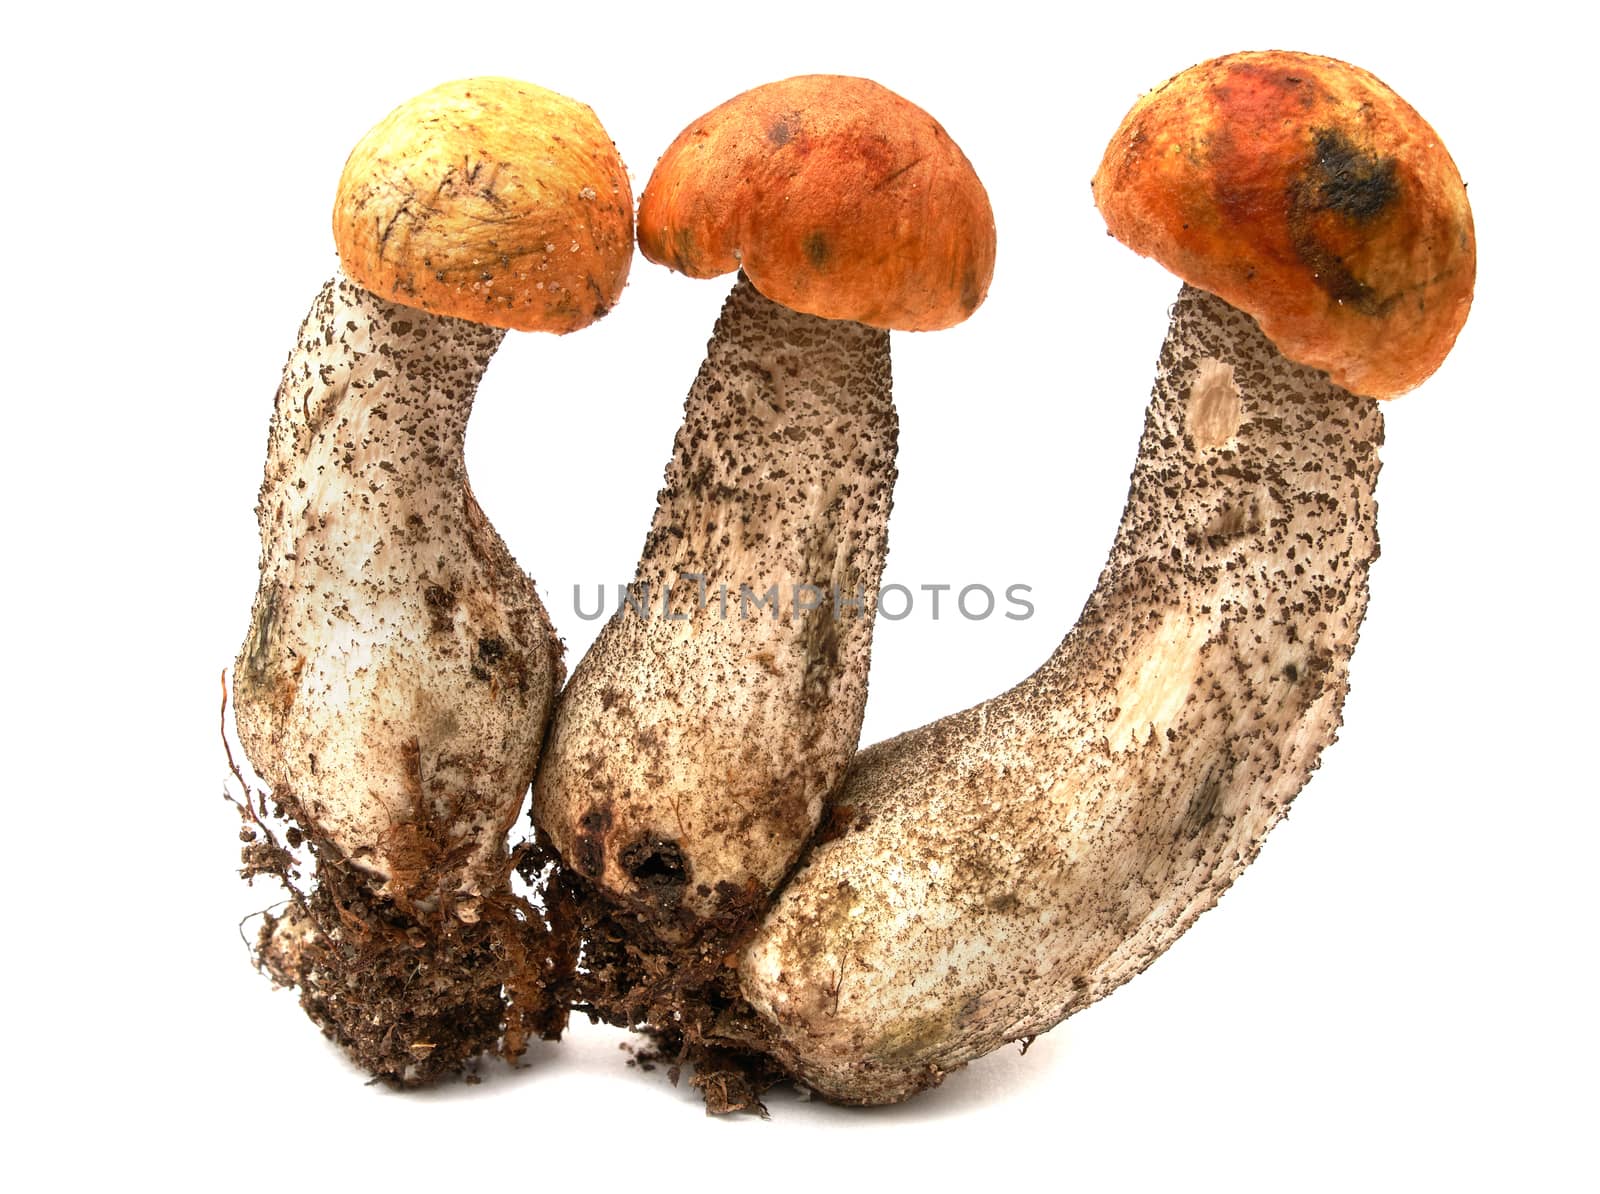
<point x="395" y="682"/>
<point x="1011" y="864"/>
<point x="693" y="751"/>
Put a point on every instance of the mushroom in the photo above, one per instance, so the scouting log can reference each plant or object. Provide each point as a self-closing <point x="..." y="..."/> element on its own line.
<point x="694" y="748"/>
<point x="399" y="669"/>
<point x="1007" y="866"/>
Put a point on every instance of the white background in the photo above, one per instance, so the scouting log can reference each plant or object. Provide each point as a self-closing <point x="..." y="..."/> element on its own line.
<point x="1399" y="991"/>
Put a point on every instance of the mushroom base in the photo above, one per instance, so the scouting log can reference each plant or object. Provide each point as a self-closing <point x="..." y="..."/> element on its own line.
<point x="682" y="996"/>
<point x="412" y="996"/>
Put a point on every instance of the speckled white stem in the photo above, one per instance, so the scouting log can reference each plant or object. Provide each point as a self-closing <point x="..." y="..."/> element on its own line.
<point x="399" y="669"/>
<point x="692" y="752"/>
<point x="1011" y="864"/>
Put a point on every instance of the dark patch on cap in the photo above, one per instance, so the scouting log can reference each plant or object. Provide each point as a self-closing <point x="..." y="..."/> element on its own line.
<point x="817" y="249"/>
<point x="971" y="295"/>
<point x="1354" y="186"/>
<point x="680" y="248"/>
<point x="780" y="132"/>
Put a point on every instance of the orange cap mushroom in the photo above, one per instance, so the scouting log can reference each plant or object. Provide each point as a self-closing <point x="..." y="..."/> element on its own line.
<point x="399" y="671"/>
<point x="1305" y="192"/>
<point x="693" y="754"/>
<point x="836" y="196"/>
<point x="491" y="200"/>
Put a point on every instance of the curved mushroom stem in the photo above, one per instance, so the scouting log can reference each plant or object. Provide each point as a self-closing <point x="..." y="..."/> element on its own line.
<point x="1011" y="864"/>
<point x="692" y="753"/>
<point x="394" y="686"/>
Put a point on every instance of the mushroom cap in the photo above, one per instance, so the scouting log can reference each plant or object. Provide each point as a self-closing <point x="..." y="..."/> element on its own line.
<point x="1305" y="192"/>
<point x="836" y="196"/>
<point x="491" y="200"/>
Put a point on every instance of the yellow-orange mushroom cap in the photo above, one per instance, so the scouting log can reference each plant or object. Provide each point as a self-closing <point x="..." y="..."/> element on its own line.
<point x="1303" y="191"/>
<point x="491" y="200"/>
<point x="836" y="196"/>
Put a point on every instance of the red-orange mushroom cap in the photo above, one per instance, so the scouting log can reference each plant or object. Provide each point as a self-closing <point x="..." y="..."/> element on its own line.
<point x="1305" y="192"/>
<point x="836" y="196"/>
